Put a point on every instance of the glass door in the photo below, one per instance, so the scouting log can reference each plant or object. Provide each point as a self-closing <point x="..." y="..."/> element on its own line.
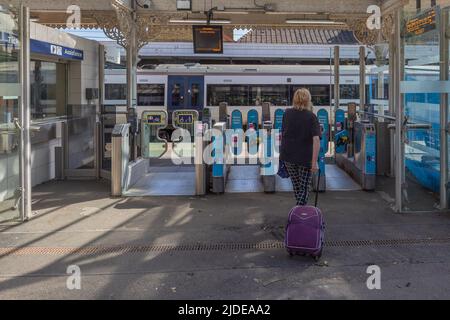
<point x="10" y="138"/>
<point x="195" y="93"/>
<point x="421" y="89"/>
<point x="176" y="94"/>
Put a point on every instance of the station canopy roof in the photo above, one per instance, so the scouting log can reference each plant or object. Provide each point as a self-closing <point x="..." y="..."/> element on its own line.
<point x="163" y="21"/>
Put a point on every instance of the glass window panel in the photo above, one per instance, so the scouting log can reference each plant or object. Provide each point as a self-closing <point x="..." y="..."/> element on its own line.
<point x="48" y="89"/>
<point x="150" y="94"/>
<point x="277" y="95"/>
<point x="320" y="94"/>
<point x="177" y="98"/>
<point x="9" y="109"/>
<point x="195" y="95"/>
<point x="115" y="91"/>
<point x="349" y="91"/>
<point x="233" y="95"/>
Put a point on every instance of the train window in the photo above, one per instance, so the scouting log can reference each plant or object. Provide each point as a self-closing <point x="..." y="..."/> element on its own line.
<point x="150" y="94"/>
<point x="115" y="91"/>
<point x="320" y="94"/>
<point x="277" y="95"/>
<point x="233" y="95"/>
<point x="350" y="91"/>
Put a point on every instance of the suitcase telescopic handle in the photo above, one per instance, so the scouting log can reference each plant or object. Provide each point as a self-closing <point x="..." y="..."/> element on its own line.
<point x="317" y="189"/>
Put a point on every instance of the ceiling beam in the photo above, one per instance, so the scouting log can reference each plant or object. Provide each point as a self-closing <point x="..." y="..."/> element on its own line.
<point x="280" y="6"/>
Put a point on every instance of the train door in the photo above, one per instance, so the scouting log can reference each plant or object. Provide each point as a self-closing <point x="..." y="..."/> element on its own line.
<point x="185" y="92"/>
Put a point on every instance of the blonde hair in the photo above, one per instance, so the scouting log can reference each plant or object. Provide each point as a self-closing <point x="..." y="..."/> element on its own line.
<point x="302" y="100"/>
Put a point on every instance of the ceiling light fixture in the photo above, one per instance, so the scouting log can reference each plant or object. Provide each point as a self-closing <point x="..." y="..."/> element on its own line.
<point x="199" y="21"/>
<point x="312" y="22"/>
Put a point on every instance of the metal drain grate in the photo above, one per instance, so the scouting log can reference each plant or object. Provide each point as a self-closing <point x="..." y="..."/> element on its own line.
<point x="269" y="245"/>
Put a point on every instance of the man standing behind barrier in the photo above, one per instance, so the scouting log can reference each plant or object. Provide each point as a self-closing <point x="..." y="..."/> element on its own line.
<point x="300" y="144"/>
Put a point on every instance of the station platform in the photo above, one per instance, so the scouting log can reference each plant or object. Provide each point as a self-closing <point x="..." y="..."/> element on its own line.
<point x="217" y="247"/>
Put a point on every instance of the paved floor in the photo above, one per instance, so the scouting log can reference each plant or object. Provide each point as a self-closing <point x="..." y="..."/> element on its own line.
<point x="218" y="247"/>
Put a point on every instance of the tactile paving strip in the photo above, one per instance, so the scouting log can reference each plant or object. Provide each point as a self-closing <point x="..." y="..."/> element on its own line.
<point x="268" y="245"/>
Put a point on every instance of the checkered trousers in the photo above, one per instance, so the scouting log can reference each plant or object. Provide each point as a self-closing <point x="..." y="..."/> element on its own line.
<point x="301" y="178"/>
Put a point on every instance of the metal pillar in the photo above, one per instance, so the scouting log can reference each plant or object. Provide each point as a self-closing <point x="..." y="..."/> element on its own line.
<point x="132" y="80"/>
<point x="337" y="91"/>
<point x="444" y="67"/>
<point x="362" y="78"/>
<point x="98" y="128"/>
<point x="24" y="121"/>
<point x="398" y="105"/>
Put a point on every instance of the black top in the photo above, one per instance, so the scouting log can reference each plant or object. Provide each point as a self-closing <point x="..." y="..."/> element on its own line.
<point x="299" y="128"/>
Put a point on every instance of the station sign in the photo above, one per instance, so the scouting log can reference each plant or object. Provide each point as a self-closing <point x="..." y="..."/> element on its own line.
<point x="208" y="39"/>
<point x="421" y="23"/>
<point x="46" y="48"/>
<point x="9" y="40"/>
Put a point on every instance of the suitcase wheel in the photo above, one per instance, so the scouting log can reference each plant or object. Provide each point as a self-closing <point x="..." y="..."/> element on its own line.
<point x="318" y="256"/>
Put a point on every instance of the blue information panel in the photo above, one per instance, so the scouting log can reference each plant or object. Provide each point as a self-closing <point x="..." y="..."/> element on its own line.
<point x="46" y="48"/>
<point x="371" y="152"/>
<point x="279" y="113"/>
<point x="252" y="139"/>
<point x="324" y="121"/>
<point x="341" y="135"/>
<point x="236" y="120"/>
<point x="252" y="119"/>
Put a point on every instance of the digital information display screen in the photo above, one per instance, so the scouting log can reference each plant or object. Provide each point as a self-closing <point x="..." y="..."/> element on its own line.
<point x="185" y="119"/>
<point x="154" y="119"/>
<point x="208" y="39"/>
<point x="420" y="24"/>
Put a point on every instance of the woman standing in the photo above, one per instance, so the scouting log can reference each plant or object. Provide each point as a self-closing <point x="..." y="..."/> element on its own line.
<point x="300" y="144"/>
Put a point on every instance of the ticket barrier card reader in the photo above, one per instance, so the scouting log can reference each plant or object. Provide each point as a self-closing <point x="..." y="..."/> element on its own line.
<point x="152" y="146"/>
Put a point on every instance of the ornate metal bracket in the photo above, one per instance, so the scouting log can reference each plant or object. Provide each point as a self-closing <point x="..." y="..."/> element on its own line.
<point x="372" y="37"/>
<point x="148" y="27"/>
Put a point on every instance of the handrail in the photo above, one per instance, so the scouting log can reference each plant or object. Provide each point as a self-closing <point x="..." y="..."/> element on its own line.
<point x="414" y="126"/>
<point x="409" y="125"/>
<point x="377" y="115"/>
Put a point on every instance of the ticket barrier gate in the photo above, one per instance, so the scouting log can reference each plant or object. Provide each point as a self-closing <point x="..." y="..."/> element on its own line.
<point x="126" y="175"/>
<point x="268" y="165"/>
<point x="183" y="146"/>
<point x="120" y="158"/>
<point x="356" y="149"/>
<point x="250" y="130"/>
<point x="152" y="145"/>
<point x="324" y="121"/>
<point x="219" y="154"/>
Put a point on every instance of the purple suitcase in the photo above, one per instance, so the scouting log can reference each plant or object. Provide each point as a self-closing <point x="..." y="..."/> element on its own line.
<point x="305" y="231"/>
